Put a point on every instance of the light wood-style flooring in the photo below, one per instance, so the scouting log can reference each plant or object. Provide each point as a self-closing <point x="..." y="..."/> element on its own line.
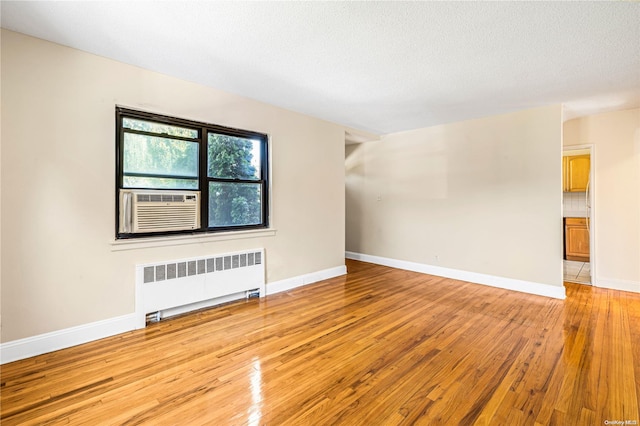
<point x="379" y="346"/>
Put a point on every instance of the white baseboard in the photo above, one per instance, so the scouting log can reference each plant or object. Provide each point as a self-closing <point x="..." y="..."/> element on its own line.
<point x="615" y="284"/>
<point x="55" y="340"/>
<point x="61" y="339"/>
<point x="300" y="280"/>
<point x="473" y="277"/>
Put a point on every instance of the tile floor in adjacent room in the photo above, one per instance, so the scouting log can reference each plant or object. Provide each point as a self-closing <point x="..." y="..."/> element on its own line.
<point x="577" y="272"/>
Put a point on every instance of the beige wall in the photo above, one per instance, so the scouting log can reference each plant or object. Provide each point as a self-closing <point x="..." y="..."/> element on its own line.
<point x="615" y="137"/>
<point x="58" y="184"/>
<point x="480" y="196"/>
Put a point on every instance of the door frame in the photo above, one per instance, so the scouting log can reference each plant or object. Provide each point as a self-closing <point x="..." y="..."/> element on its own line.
<point x="591" y="211"/>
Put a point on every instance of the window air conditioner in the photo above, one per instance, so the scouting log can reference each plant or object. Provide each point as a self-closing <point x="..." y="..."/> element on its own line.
<point x="158" y="210"/>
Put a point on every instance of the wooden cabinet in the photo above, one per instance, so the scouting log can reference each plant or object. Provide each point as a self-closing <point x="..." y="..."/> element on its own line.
<point x="576" y="235"/>
<point x="575" y="173"/>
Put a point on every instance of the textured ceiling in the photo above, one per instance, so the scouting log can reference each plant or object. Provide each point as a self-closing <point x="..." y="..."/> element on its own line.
<point x="376" y="66"/>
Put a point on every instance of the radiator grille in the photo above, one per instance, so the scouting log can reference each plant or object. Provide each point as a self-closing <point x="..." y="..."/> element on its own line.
<point x="172" y="270"/>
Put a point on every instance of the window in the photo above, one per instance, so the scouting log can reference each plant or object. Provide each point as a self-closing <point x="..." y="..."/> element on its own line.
<point x="228" y="167"/>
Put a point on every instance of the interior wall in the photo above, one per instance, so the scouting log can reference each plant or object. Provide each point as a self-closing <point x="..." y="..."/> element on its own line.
<point x="480" y="196"/>
<point x="354" y="190"/>
<point x="615" y="137"/>
<point x="59" y="265"/>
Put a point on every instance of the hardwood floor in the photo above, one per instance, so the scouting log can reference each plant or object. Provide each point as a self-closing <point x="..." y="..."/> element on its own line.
<point x="379" y="346"/>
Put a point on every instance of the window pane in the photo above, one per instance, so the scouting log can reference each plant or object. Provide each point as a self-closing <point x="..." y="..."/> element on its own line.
<point x="153" y="155"/>
<point x="159" y="183"/>
<point x="232" y="157"/>
<point x="234" y="204"/>
<point x="167" y="129"/>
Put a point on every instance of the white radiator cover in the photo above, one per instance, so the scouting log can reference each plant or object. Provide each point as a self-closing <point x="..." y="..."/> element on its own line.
<point x="184" y="284"/>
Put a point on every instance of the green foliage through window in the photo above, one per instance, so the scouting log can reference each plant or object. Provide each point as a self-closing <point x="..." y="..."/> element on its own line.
<point x="159" y="162"/>
<point x="231" y="157"/>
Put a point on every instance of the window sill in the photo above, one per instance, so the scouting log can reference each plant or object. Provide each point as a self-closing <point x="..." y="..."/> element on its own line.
<point x="178" y="240"/>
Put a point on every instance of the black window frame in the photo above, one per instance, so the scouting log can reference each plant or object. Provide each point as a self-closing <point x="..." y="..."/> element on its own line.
<point x="203" y="179"/>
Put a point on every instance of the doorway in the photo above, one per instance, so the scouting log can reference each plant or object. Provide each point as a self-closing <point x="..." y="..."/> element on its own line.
<point x="578" y="213"/>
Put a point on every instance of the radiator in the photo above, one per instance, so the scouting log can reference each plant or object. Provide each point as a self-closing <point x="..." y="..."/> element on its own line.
<point x="178" y="286"/>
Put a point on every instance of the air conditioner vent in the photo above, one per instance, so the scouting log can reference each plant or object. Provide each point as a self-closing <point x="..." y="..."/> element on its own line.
<point x="162" y="198"/>
<point x="158" y="211"/>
